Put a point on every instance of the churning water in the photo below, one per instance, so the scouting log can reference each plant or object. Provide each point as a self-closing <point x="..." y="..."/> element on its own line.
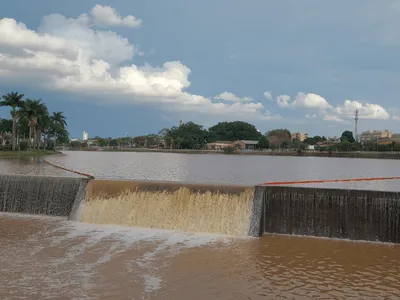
<point x="182" y="210"/>
<point x="50" y="258"/>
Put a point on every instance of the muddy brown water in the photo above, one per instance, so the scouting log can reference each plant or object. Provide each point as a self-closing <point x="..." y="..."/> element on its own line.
<point x="50" y="258"/>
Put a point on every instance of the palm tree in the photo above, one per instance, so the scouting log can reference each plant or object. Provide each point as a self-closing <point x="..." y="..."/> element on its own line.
<point x="13" y="100"/>
<point x="58" y="120"/>
<point x="44" y="127"/>
<point x="34" y="111"/>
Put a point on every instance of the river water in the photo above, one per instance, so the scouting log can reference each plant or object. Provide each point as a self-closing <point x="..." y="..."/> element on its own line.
<point x="51" y="258"/>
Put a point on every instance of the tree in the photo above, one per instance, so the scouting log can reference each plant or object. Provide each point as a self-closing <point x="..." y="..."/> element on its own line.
<point x="263" y="142"/>
<point x="59" y="123"/>
<point x="347" y="135"/>
<point x="34" y="111"/>
<point x="233" y="131"/>
<point x="314" y="140"/>
<point x="277" y="137"/>
<point x="188" y="136"/>
<point x="5" y="130"/>
<point x="5" y="125"/>
<point x="13" y="100"/>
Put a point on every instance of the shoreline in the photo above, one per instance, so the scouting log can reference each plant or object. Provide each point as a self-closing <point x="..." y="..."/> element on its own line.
<point x="371" y="155"/>
<point x="16" y="154"/>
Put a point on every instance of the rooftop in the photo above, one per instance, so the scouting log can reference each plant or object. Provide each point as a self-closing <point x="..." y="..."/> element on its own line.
<point x="249" y="142"/>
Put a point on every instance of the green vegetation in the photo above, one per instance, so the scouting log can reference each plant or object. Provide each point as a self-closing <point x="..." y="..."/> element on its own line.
<point x="31" y="127"/>
<point x="233" y="131"/>
<point x="35" y="153"/>
<point x="191" y="136"/>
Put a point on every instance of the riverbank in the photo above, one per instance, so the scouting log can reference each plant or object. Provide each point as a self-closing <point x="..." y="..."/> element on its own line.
<point x="27" y="153"/>
<point x="375" y="155"/>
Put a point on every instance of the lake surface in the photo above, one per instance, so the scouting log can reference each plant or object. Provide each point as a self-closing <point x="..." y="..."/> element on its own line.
<point x="51" y="258"/>
<point x="215" y="168"/>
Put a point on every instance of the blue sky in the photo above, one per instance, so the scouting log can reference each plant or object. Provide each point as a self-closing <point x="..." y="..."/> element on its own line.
<point x="137" y="66"/>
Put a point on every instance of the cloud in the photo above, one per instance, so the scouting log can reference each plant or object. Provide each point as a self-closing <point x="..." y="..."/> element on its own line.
<point x="396" y="118"/>
<point x="365" y="110"/>
<point x="70" y="55"/>
<point x="334" y="118"/>
<point x="310" y="101"/>
<point x="339" y="113"/>
<point x="303" y="100"/>
<point x="268" y="95"/>
<point x="283" y="101"/>
<point x="108" y="16"/>
<point x="232" y="97"/>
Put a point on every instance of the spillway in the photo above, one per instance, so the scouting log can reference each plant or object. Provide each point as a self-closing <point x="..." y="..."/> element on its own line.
<point x="41" y="195"/>
<point x="229" y="210"/>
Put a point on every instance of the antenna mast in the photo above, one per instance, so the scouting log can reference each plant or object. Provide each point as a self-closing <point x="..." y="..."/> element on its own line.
<point x="356" y="123"/>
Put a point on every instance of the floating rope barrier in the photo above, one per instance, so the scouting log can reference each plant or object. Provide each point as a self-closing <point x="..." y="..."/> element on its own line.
<point x="68" y="170"/>
<point x="331" y="180"/>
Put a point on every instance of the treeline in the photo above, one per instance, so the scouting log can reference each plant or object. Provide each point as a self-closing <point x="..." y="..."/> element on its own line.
<point x="31" y="125"/>
<point x="194" y="136"/>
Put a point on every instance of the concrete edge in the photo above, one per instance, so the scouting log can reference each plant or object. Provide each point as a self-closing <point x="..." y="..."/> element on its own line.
<point x="256" y="227"/>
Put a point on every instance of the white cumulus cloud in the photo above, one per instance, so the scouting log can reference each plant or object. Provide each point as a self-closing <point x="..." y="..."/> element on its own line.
<point x="312" y="116"/>
<point x="268" y="95"/>
<point x="334" y="118"/>
<point x="365" y="110"/>
<point x="283" y="101"/>
<point x="232" y="97"/>
<point x="108" y="16"/>
<point x="302" y="100"/>
<point x="71" y="55"/>
<point x="310" y="100"/>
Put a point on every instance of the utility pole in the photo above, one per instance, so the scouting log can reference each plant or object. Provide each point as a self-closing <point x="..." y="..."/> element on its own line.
<point x="356" y="123"/>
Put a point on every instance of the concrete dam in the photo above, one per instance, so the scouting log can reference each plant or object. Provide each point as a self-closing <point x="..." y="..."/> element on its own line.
<point x="230" y="210"/>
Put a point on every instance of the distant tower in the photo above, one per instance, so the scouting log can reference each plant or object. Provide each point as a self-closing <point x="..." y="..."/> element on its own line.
<point x="180" y="123"/>
<point x="356" y="124"/>
<point x="85" y="136"/>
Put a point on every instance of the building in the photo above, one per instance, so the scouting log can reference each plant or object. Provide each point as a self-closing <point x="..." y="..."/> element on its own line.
<point x="245" y="145"/>
<point x="299" y="136"/>
<point x="218" y="145"/>
<point x="376" y="135"/>
<point x="85" y="136"/>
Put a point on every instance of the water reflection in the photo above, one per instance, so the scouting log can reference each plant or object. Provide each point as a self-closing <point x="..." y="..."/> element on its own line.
<point x="241" y="170"/>
<point x="29" y="166"/>
<point x="210" y="168"/>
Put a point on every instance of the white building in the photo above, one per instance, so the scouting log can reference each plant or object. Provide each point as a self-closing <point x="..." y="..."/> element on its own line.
<point x="85" y="136"/>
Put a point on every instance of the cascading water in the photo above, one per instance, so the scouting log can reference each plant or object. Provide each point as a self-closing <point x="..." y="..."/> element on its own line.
<point x="40" y="195"/>
<point x="180" y="209"/>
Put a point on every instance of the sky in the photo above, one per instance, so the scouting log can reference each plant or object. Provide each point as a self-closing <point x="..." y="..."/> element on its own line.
<point x="134" y="67"/>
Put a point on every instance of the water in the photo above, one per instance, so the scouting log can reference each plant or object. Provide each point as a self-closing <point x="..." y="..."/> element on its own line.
<point x="30" y="166"/>
<point x="52" y="258"/>
<point x="182" y="210"/>
<point x="55" y="259"/>
<point x="41" y="194"/>
<point x="241" y="170"/>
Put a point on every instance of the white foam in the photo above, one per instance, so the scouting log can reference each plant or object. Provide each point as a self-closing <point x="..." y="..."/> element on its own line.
<point x="80" y="238"/>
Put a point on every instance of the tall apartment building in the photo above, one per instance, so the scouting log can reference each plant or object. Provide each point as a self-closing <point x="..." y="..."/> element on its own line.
<point x="375" y="135"/>
<point x="299" y="136"/>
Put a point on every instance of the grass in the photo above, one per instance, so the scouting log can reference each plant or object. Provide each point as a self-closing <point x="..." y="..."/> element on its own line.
<point x="33" y="153"/>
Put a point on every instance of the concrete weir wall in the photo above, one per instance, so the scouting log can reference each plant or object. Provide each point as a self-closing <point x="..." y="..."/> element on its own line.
<point x="232" y="210"/>
<point x="41" y="195"/>
<point x="334" y="213"/>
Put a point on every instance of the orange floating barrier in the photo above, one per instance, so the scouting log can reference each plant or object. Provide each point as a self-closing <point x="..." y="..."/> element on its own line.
<point x="330" y="180"/>
<point x="68" y="170"/>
